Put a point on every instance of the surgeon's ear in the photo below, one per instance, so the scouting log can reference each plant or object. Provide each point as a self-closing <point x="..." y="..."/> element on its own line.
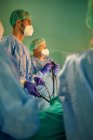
<point x="18" y="22"/>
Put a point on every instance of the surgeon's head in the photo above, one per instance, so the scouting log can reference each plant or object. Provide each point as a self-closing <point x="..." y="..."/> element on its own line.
<point x="39" y="48"/>
<point x="20" y="20"/>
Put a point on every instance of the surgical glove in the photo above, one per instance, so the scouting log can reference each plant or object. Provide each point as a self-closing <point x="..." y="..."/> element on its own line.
<point x="56" y="68"/>
<point x="47" y="68"/>
<point x="31" y="88"/>
<point x="39" y="81"/>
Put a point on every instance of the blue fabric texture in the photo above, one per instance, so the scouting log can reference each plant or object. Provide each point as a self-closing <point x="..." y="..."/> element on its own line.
<point x="21" y="56"/>
<point x="76" y="95"/>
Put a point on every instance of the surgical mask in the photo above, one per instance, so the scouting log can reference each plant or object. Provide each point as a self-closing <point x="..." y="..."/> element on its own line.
<point x="45" y="52"/>
<point x="28" y="31"/>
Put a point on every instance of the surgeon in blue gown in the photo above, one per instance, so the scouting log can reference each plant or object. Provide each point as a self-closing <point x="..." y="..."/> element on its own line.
<point x="44" y="67"/>
<point x="21" y="23"/>
<point x="76" y="92"/>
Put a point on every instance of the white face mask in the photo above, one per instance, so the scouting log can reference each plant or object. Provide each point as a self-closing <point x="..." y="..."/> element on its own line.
<point x="45" y="52"/>
<point x="28" y="31"/>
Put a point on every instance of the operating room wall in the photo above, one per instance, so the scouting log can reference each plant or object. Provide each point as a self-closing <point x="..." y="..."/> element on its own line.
<point x="60" y="22"/>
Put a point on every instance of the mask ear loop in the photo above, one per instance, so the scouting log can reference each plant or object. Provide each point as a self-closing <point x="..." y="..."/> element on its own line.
<point x="22" y="29"/>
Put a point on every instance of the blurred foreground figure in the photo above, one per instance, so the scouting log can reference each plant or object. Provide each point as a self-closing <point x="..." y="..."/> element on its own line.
<point x="76" y="94"/>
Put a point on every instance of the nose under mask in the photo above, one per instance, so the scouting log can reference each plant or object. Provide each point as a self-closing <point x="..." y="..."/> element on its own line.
<point x="45" y="52"/>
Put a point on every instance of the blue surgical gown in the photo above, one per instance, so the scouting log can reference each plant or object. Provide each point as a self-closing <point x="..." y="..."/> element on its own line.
<point x="18" y="111"/>
<point x="76" y="94"/>
<point x="21" y="56"/>
<point x="47" y="89"/>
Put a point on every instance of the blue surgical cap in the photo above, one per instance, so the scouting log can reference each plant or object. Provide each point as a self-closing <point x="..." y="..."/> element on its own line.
<point x="18" y="14"/>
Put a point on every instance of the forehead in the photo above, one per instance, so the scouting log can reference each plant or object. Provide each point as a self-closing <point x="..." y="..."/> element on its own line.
<point x="42" y="45"/>
<point x="27" y="20"/>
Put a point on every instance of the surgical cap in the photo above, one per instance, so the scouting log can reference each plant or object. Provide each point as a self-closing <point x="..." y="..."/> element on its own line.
<point x="36" y="42"/>
<point x="89" y="18"/>
<point x="18" y="15"/>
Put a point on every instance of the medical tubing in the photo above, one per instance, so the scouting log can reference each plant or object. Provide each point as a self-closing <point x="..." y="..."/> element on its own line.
<point x="44" y="98"/>
<point x="47" y="91"/>
<point x="53" y="75"/>
<point x="53" y="82"/>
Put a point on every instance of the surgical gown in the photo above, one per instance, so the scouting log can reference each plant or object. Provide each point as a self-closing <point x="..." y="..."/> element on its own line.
<point x="18" y="111"/>
<point x="47" y="89"/>
<point x="76" y="94"/>
<point x="21" y="56"/>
